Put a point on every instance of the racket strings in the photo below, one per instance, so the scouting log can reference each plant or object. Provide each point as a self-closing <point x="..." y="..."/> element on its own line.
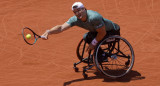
<point x="31" y="39"/>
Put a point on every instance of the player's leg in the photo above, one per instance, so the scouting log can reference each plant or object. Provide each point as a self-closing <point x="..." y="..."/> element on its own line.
<point x="89" y="36"/>
<point x="105" y="53"/>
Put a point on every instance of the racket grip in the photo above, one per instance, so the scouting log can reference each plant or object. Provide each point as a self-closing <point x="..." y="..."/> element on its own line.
<point x="44" y="37"/>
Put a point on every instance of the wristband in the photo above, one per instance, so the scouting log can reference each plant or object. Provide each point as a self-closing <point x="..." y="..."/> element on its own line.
<point x="94" y="42"/>
<point x="44" y="37"/>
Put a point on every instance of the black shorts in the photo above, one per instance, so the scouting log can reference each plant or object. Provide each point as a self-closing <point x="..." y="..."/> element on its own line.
<point x="89" y="36"/>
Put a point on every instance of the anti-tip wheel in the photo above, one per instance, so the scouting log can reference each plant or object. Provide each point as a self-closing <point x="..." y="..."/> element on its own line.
<point x="76" y="69"/>
<point x="85" y="76"/>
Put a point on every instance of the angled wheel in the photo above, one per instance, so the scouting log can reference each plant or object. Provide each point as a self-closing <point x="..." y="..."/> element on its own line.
<point x="81" y="51"/>
<point x="120" y="57"/>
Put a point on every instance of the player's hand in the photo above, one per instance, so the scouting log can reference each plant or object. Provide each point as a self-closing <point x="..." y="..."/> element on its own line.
<point x="90" y="47"/>
<point x="45" y="35"/>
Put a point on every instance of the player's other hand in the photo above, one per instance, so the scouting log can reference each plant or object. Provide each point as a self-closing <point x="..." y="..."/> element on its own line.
<point x="45" y="35"/>
<point x="90" y="47"/>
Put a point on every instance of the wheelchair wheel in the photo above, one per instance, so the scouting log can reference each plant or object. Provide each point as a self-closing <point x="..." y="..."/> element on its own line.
<point x="81" y="51"/>
<point x="118" y="58"/>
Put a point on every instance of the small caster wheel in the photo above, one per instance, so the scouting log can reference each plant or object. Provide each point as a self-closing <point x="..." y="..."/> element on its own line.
<point x="127" y="63"/>
<point x="76" y="69"/>
<point x="85" y="76"/>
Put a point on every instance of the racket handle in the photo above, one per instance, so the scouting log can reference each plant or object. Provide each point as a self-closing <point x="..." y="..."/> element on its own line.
<point x="43" y="37"/>
<point x="47" y="32"/>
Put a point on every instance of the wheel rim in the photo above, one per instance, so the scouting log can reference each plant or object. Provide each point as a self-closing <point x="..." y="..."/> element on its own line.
<point x="114" y="68"/>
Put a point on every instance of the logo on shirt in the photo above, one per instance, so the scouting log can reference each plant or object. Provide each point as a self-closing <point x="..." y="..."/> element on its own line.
<point x="100" y="25"/>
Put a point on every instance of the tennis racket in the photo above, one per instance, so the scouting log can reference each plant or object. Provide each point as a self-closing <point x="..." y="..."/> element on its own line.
<point x="33" y="37"/>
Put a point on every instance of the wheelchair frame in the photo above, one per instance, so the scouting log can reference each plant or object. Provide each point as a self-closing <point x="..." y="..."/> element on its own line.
<point x="114" y="52"/>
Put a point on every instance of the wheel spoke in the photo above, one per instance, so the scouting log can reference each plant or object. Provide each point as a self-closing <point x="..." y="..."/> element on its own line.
<point x="119" y="54"/>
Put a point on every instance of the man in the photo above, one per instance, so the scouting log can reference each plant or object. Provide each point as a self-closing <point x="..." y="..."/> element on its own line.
<point x="92" y="21"/>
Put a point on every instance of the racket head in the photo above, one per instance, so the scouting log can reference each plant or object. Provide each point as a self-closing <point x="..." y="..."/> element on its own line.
<point x="33" y="36"/>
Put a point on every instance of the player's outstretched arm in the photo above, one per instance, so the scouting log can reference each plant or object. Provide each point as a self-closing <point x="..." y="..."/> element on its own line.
<point x="55" y="30"/>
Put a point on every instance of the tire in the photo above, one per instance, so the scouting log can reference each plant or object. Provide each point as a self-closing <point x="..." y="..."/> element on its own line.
<point x="120" y="60"/>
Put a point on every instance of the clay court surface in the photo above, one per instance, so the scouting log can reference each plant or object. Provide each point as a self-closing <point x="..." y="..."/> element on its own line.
<point x="50" y="62"/>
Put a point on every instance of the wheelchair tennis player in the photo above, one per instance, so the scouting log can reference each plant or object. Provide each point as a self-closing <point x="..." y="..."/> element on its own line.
<point x="90" y="20"/>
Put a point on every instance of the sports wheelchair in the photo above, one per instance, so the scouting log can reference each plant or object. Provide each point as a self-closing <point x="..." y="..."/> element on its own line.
<point x="116" y="60"/>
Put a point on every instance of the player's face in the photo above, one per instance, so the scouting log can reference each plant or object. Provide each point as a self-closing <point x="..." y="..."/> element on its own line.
<point x="79" y="12"/>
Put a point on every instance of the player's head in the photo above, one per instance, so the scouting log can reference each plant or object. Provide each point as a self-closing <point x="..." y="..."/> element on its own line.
<point x="79" y="10"/>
